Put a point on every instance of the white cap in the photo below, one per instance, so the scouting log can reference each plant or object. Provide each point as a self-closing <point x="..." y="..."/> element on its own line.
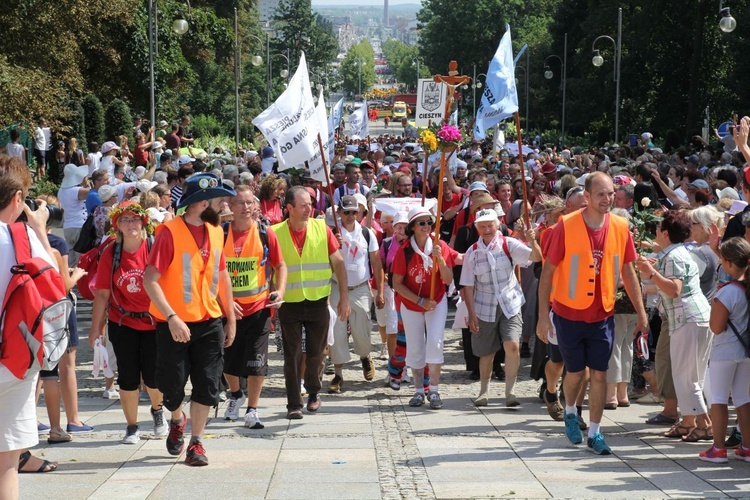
<point x="727" y="192"/>
<point x="145" y="185"/>
<point x="486" y="214"/>
<point x="155" y="214"/>
<point x="361" y="200"/>
<point x="581" y="181"/>
<point x="185" y="159"/>
<point x="401" y="217"/>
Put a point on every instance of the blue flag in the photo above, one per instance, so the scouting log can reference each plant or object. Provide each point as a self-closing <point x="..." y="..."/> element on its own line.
<point x="499" y="99"/>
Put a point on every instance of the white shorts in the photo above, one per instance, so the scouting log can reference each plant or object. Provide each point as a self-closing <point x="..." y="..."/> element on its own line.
<point x="18" y="415"/>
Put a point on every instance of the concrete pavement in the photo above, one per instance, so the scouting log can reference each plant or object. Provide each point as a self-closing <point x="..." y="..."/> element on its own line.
<point x="368" y="443"/>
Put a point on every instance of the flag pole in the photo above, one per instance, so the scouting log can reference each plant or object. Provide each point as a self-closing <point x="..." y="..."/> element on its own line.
<point x="424" y="170"/>
<point x="329" y="184"/>
<point x="523" y="173"/>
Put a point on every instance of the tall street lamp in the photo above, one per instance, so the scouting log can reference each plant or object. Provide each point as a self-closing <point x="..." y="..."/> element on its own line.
<point x="359" y="74"/>
<point x="474" y="86"/>
<point x="526" y="86"/>
<point x="548" y="74"/>
<point x="415" y="60"/>
<point x="727" y="24"/>
<point x="598" y="60"/>
<point x="284" y="72"/>
<point x="179" y="26"/>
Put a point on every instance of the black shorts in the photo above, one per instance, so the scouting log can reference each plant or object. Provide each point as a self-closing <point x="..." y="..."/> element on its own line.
<point x="248" y="354"/>
<point x="201" y="359"/>
<point x="553" y="351"/>
<point x="136" y="356"/>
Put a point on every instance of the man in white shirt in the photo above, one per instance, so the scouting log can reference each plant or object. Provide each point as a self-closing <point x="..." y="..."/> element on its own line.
<point x="352" y="186"/>
<point x="42" y="147"/>
<point x="494" y="298"/>
<point x="359" y="247"/>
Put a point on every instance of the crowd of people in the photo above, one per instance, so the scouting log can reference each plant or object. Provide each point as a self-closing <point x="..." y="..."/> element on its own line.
<point x="203" y="254"/>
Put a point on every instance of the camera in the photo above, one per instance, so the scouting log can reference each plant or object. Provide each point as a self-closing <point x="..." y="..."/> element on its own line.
<point x="55" y="213"/>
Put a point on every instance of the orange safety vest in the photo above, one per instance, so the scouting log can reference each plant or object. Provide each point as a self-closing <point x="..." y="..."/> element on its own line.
<point x="247" y="270"/>
<point x="574" y="281"/>
<point x="190" y="284"/>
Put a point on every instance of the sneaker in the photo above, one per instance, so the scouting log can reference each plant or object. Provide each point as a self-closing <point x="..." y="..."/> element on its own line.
<point x="368" y="369"/>
<point x="160" y="425"/>
<point x="650" y="399"/>
<point x="111" y="393"/>
<point x="511" y="401"/>
<point x="582" y="423"/>
<point x="734" y="440"/>
<point x="233" y="407"/>
<point x="132" y="435"/>
<point x="336" y="385"/>
<point x="78" y="429"/>
<point x="554" y="408"/>
<point x="42" y="428"/>
<point x="175" y="440"/>
<point x="417" y="399"/>
<point x="597" y="445"/>
<point x="482" y="400"/>
<point x="435" y="402"/>
<point x="572" y="430"/>
<point x="394" y="383"/>
<point x="252" y="421"/>
<point x="525" y="351"/>
<point x="742" y="453"/>
<point x="196" y="455"/>
<point x="313" y="403"/>
<point x="302" y="388"/>
<point x="329" y="369"/>
<point x="714" y="455"/>
<point x="384" y="352"/>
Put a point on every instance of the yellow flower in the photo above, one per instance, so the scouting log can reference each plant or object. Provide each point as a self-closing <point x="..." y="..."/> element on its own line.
<point x="429" y="141"/>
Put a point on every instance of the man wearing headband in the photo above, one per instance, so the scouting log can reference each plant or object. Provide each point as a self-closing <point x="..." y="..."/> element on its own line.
<point x="190" y="290"/>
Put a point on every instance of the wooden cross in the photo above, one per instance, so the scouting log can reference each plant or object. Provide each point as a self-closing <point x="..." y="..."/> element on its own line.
<point x="452" y="80"/>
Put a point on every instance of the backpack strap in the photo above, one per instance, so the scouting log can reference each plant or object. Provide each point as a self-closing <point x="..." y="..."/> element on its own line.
<point x="21" y="243"/>
<point x="742" y="341"/>
<point x="505" y="247"/>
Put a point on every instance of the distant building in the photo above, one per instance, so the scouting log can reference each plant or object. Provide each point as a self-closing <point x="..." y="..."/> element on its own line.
<point x="267" y="9"/>
<point x="385" y="13"/>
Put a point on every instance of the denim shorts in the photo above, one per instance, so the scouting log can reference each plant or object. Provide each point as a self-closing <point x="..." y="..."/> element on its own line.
<point x="585" y="344"/>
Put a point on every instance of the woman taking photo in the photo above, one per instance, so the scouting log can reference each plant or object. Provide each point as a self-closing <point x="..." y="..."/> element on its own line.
<point x="121" y="296"/>
<point x="675" y="277"/>
<point x="424" y="318"/>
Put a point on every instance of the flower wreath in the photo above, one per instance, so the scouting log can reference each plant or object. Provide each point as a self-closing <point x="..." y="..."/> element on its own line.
<point x="132" y="207"/>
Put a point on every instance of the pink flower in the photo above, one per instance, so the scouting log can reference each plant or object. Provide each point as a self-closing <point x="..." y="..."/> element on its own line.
<point x="449" y="133"/>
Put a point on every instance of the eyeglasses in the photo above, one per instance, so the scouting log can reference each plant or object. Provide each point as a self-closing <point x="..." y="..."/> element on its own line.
<point x="425" y="223"/>
<point x="242" y="202"/>
<point x="130" y="221"/>
<point x="350" y="212"/>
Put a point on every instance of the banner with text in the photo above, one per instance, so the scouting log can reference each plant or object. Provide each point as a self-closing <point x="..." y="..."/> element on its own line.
<point x="290" y="125"/>
<point x="430" y="102"/>
<point x="316" y="162"/>
<point x="334" y="122"/>
<point x="392" y="206"/>
<point x="358" y="122"/>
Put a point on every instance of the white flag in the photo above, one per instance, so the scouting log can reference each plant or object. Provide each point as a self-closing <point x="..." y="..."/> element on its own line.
<point x="315" y="163"/>
<point x="499" y="99"/>
<point x="290" y="125"/>
<point x="334" y="121"/>
<point x="358" y="122"/>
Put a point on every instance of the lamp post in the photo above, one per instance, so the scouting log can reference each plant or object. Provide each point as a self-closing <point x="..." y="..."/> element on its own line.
<point x="474" y="86"/>
<point x="359" y="74"/>
<point x="415" y="60"/>
<point x="548" y="74"/>
<point x="526" y="86"/>
<point x="598" y="60"/>
<point x="284" y="72"/>
<point x="727" y="23"/>
<point x="179" y="26"/>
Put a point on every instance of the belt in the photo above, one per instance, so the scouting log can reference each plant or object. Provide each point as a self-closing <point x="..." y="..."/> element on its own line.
<point x="357" y="286"/>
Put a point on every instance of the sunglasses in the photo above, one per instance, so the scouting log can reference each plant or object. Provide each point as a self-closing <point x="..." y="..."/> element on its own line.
<point x="350" y="212"/>
<point x="425" y="223"/>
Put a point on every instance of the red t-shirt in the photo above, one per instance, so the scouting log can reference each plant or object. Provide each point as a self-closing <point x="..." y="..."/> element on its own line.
<point x="162" y="253"/>
<point x="271" y="210"/>
<point x="462" y="220"/>
<point x="455" y="200"/>
<point x="417" y="278"/>
<point x="128" y="292"/>
<point x="554" y="251"/>
<point x="274" y="259"/>
<point x="298" y="238"/>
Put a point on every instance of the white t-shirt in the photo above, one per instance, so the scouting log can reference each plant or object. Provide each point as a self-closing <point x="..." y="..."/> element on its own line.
<point x="43" y="138"/>
<point x="16" y="150"/>
<point x="725" y="346"/>
<point x="7" y="259"/>
<point x="74" y="210"/>
<point x="345" y="191"/>
<point x="266" y="164"/>
<point x="106" y="163"/>
<point x="94" y="160"/>
<point x="353" y="248"/>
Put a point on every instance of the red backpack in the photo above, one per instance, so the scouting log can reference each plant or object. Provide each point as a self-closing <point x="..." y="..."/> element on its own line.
<point x="89" y="262"/>
<point x="35" y="312"/>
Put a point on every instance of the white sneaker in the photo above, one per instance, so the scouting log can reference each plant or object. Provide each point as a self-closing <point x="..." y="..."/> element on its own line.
<point x="233" y="407"/>
<point x="132" y="435"/>
<point x="252" y="421"/>
<point x="111" y="393"/>
<point x="384" y="352"/>
<point x="302" y="389"/>
<point x="160" y="424"/>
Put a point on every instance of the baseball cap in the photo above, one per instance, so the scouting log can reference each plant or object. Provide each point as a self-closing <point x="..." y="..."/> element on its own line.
<point x="478" y="186"/>
<point x="348" y="203"/>
<point x="185" y="159"/>
<point x="485" y="215"/>
<point x="700" y="184"/>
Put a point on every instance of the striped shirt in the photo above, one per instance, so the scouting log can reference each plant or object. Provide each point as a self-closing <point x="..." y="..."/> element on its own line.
<point x="675" y="262"/>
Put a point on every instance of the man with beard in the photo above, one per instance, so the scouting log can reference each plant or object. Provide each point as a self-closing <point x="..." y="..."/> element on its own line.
<point x="190" y="290"/>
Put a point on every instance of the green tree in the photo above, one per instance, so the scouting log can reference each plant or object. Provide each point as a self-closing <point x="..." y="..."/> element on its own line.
<point x="93" y="115"/>
<point x="360" y="54"/>
<point x="76" y="124"/>
<point x="118" y="121"/>
<point x="298" y="29"/>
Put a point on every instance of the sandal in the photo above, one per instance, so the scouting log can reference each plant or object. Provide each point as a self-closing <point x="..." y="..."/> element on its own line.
<point x="46" y="466"/>
<point x="623" y="404"/>
<point x="610" y="406"/>
<point x="678" y="431"/>
<point x="699" y="434"/>
<point x="58" y="436"/>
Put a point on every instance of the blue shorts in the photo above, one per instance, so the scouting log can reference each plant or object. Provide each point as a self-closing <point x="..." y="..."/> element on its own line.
<point x="584" y="344"/>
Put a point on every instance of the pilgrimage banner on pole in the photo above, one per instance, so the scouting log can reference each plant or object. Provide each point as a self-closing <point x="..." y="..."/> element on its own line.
<point x="358" y="122"/>
<point x="334" y="122"/>
<point x="315" y="163"/>
<point x="290" y="125"/>
<point x="431" y="96"/>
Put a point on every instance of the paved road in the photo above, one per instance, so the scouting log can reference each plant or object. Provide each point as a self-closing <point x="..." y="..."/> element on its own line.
<point x="368" y="443"/>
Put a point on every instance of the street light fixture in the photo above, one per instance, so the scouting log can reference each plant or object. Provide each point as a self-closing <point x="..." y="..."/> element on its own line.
<point x="526" y="85"/>
<point x="598" y="60"/>
<point x="475" y="84"/>
<point x="415" y="60"/>
<point x="727" y="24"/>
<point x="284" y="72"/>
<point x="548" y="74"/>
<point x="180" y="26"/>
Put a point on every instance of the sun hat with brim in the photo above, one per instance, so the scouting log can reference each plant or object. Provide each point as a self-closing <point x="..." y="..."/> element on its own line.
<point x="737" y="207"/>
<point x="361" y="200"/>
<point x="108" y="146"/>
<point x="145" y="185"/>
<point x="478" y="186"/>
<point x="401" y="217"/>
<point x="417" y="212"/>
<point x="203" y="186"/>
<point x="482" y="199"/>
<point x="74" y="175"/>
<point x="106" y="192"/>
<point x="486" y="214"/>
<point x="549" y="168"/>
<point x="581" y="181"/>
<point x="185" y="159"/>
<point x="727" y="192"/>
<point x="156" y="145"/>
<point x="699" y="184"/>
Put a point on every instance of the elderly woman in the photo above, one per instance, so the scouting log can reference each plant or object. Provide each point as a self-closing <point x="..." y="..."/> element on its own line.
<point x="424" y="310"/>
<point x="122" y="302"/>
<point x="702" y="220"/>
<point x="675" y="277"/>
<point x="272" y="191"/>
